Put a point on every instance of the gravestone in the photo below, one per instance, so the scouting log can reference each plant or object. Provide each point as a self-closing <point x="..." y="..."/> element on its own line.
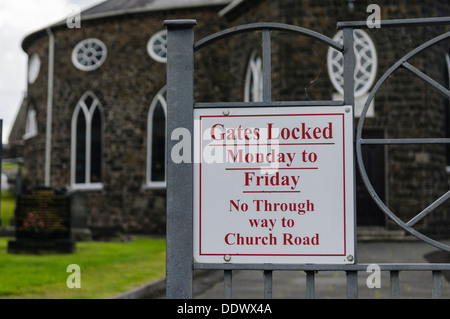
<point x="79" y="211"/>
<point x="42" y="220"/>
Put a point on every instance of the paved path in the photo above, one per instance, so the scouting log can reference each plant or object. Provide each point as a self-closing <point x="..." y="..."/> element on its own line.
<point x="292" y="284"/>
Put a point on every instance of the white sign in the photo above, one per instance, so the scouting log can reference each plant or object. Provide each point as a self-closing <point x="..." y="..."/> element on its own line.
<point x="274" y="185"/>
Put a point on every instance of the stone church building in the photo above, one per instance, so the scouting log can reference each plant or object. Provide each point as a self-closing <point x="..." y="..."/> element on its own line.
<point x="94" y="115"/>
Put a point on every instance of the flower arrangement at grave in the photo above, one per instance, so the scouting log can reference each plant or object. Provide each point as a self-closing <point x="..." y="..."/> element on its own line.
<point x="33" y="222"/>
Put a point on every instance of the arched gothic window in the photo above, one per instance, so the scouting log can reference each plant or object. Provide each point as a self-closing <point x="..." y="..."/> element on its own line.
<point x="87" y="143"/>
<point x="254" y="80"/>
<point x="30" y="124"/>
<point x="156" y="141"/>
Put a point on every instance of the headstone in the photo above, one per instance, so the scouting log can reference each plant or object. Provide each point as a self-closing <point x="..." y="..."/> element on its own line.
<point x="79" y="211"/>
<point x="42" y="220"/>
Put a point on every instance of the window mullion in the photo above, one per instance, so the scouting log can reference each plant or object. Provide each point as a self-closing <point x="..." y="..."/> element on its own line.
<point x="88" y="147"/>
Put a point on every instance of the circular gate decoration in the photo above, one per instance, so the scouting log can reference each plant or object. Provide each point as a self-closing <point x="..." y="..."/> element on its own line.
<point x="403" y="63"/>
<point x="366" y="63"/>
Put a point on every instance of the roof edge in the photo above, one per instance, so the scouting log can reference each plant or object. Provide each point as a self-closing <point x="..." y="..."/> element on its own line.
<point x="27" y="39"/>
<point x="230" y="7"/>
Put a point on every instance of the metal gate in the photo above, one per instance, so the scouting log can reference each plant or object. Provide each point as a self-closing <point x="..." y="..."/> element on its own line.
<point x="181" y="105"/>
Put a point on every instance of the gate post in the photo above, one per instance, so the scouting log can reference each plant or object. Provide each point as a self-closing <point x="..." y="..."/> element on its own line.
<point x="179" y="175"/>
<point x="349" y="67"/>
<point x="349" y="99"/>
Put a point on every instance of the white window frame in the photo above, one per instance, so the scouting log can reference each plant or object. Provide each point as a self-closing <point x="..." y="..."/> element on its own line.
<point x="159" y="98"/>
<point x="88" y="113"/>
<point x="162" y="37"/>
<point x="31" y="129"/>
<point x="87" y="45"/>
<point x="34" y="66"/>
<point x="335" y="59"/>
<point x="254" y="79"/>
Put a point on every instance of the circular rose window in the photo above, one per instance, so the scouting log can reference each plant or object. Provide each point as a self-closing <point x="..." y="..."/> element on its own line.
<point x="89" y="54"/>
<point x="157" y="46"/>
<point x="366" y="63"/>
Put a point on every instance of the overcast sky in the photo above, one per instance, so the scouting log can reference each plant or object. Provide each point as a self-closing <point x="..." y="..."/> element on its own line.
<point x="19" y="18"/>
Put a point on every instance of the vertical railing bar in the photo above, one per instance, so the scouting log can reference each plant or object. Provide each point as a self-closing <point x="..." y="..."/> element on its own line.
<point x="395" y="283"/>
<point x="352" y="284"/>
<point x="228" y="283"/>
<point x="437" y="284"/>
<point x="267" y="284"/>
<point x="267" y="65"/>
<point x="310" y="285"/>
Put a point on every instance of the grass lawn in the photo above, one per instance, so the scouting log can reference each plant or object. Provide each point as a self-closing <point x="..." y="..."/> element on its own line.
<point x="8" y="198"/>
<point x="7" y="208"/>
<point x="107" y="269"/>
